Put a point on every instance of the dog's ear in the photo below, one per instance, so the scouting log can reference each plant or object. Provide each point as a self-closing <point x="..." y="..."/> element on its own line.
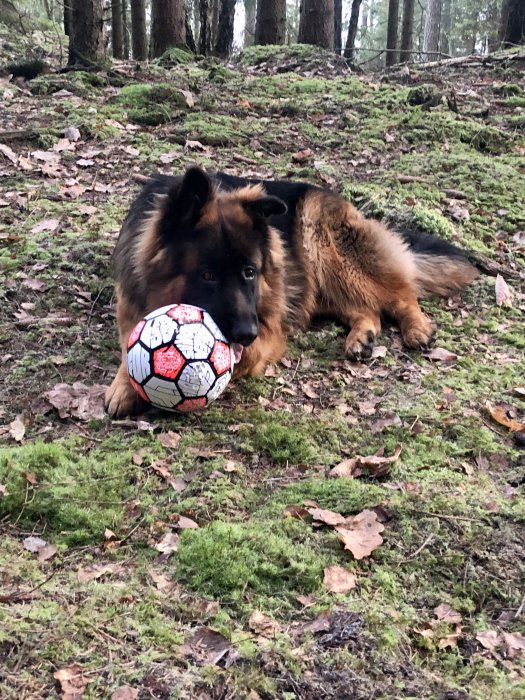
<point x="265" y="206"/>
<point x="187" y="198"/>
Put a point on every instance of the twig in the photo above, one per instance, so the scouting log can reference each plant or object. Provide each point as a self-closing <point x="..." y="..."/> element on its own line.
<point x="419" y="549"/>
<point x="520" y="609"/>
<point x="447" y="517"/>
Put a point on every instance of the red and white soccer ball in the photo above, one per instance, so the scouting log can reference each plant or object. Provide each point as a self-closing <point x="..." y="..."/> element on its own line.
<point x="178" y="359"/>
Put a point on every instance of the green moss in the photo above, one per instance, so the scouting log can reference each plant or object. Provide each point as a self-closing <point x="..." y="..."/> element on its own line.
<point x="150" y="104"/>
<point x="284" y="444"/>
<point x="234" y="560"/>
<point x="175" y="56"/>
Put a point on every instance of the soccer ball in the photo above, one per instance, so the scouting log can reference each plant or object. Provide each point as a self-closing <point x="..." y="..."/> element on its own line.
<point x="178" y="359"/>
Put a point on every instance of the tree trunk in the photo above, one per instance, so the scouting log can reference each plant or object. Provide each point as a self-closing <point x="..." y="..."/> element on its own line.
<point x="407" y="30"/>
<point x="205" y="31"/>
<point x="190" y="39"/>
<point x="338" y="26"/>
<point x="214" y="21"/>
<point x="352" y="30"/>
<point x="224" y="42"/>
<point x="432" y="24"/>
<point x="512" y="26"/>
<point x="271" y="22"/>
<point x="117" y="36"/>
<point x="86" y="35"/>
<point x="139" y="37"/>
<point x="316" y="23"/>
<point x="446" y="25"/>
<point x="67" y="17"/>
<point x="125" y="27"/>
<point x="250" y="14"/>
<point x="168" y="25"/>
<point x="391" y="32"/>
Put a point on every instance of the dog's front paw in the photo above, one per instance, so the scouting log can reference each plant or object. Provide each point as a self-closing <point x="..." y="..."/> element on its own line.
<point x="420" y="336"/>
<point x="359" y="345"/>
<point x="122" y="399"/>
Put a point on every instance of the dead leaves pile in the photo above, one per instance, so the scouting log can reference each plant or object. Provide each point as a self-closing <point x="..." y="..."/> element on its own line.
<point x="77" y="400"/>
<point x="372" y="465"/>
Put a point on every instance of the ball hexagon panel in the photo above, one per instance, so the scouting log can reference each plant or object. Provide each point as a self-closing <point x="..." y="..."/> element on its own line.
<point x="135" y="333"/>
<point x="139" y="363"/>
<point x="163" y="393"/>
<point x="189" y="405"/>
<point x="167" y="361"/>
<point x="158" y="331"/>
<point x="219" y="386"/>
<point x="140" y="391"/>
<point x="196" y="379"/>
<point x="221" y="357"/>
<point x="184" y="313"/>
<point x="194" y="341"/>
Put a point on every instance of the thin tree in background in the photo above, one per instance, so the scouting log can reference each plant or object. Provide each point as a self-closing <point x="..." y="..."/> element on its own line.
<point x="512" y="25"/>
<point x="214" y="20"/>
<point x="224" y="42"/>
<point x="250" y="14"/>
<point x="352" y="29"/>
<point x="270" y="27"/>
<point x="125" y="28"/>
<point x="407" y="30"/>
<point x="338" y="26"/>
<point x="139" y="39"/>
<point x="205" y="27"/>
<point x="316" y="23"/>
<point x="446" y="26"/>
<point x="67" y="17"/>
<point x="117" y="36"/>
<point x="432" y="24"/>
<point x="168" y="25"/>
<point x="86" y="32"/>
<point x="392" y="32"/>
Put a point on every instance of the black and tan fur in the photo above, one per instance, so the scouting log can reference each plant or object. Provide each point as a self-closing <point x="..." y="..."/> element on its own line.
<point x="311" y="252"/>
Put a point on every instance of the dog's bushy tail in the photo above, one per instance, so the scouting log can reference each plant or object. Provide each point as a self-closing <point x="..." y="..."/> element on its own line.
<point x="441" y="268"/>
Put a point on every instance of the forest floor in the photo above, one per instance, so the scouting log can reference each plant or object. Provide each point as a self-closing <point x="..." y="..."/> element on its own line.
<point x="193" y="557"/>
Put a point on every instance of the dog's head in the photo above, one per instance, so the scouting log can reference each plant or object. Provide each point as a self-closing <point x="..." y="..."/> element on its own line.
<point x="220" y="245"/>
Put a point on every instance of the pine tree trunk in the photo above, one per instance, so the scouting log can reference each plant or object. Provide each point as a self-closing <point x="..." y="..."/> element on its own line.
<point x="86" y="35"/>
<point x="190" y="39"/>
<point x="168" y="25"/>
<point x="116" y="29"/>
<point x="391" y="33"/>
<point x="271" y="22"/>
<point x="224" y="42"/>
<point x="431" y="35"/>
<point x="250" y="14"/>
<point x="338" y="26"/>
<point x="352" y="30"/>
<point x="139" y="39"/>
<point x="512" y="25"/>
<point x="205" y="30"/>
<point x="407" y="31"/>
<point x="125" y="27"/>
<point x="446" y="25"/>
<point x="67" y="17"/>
<point x="214" y="21"/>
<point x="316" y="23"/>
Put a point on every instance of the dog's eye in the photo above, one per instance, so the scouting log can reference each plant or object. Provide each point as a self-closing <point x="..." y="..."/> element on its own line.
<point x="208" y="276"/>
<point x="249" y="273"/>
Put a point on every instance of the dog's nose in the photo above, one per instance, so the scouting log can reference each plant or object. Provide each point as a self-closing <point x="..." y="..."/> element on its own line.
<point x="244" y="333"/>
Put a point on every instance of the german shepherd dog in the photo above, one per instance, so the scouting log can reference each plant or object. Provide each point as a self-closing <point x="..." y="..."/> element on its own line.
<point x="263" y="258"/>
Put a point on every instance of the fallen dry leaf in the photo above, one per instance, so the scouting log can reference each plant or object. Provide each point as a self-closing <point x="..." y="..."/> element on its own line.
<point x="450" y="640"/>
<point x="168" y="544"/>
<point x="457" y="212"/>
<point x="3" y="491"/>
<point x="373" y="465"/>
<point x="162" y="582"/>
<point x="8" y="153"/>
<point x="442" y="355"/>
<point x="189" y="97"/>
<point x="263" y="625"/>
<point x="504" y="294"/>
<point x="338" y="579"/>
<point x="30" y="477"/>
<point x="302" y="156"/>
<point x="34" y="544"/>
<point x="515" y="644"/>
<point x="169" y="439"/>
<point x="72" y="681"/>
<point x="46" y="225"/>
<point x="306" y="600"/>
<point x="184" y="523"/>
<point x="17" y="429"/>
<point x="499" y="414"/>
<point x="326" y="516"/>
<point x="360" y="534"/>
<point x="297" y="512"/>
<point x="96" y="571"/>
<point x="77" y="400"/>
<point x="47" y="552"/>
<point x="125" y="693"/>
<point x="207" y="646"/>
<point x="489" y="639"/>
<point x="444" y="613"/>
